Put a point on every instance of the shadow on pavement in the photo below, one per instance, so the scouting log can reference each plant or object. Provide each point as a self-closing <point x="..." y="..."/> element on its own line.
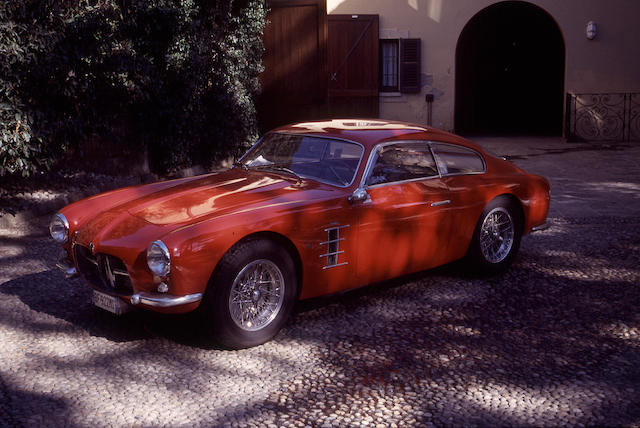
<point x="41" y="408"/>
<point x="69" y="300"/>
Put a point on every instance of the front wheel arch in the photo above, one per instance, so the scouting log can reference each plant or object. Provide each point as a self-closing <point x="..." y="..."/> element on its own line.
<point x="250" y="295"/>
<point x="281" y="240"/>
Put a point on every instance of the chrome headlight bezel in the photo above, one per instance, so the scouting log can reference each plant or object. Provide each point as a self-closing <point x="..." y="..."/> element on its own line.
<point x="59" y="228"/>
<point x="159" y="259"/>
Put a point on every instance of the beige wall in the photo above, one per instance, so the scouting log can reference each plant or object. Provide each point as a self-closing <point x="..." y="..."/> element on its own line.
<point x="609" y="63"/>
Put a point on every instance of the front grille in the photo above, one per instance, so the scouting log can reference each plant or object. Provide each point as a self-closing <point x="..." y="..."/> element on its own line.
<point x="103" y="271"/>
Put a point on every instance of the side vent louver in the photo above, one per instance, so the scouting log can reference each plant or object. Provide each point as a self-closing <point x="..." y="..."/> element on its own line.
<point x="333" y="247"/>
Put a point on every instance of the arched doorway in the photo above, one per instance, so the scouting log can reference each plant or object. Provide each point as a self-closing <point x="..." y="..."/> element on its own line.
<point x="510" y="72"/>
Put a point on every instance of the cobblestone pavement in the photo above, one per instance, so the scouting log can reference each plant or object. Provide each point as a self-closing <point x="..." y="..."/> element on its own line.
<point x="554" y="341"/>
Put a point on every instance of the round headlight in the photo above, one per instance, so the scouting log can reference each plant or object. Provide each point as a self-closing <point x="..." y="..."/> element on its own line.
<point x="158" y="258"/>
<point x="59" y="228"/>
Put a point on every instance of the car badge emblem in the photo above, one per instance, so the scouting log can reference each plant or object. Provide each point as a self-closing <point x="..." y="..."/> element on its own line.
<point x="92" y="248"/>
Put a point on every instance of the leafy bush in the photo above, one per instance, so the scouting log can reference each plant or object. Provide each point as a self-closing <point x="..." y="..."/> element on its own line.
<point x="176" y="78"/>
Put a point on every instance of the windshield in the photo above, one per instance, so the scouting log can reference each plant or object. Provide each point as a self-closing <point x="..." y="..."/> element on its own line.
<point x="323" y="159"/>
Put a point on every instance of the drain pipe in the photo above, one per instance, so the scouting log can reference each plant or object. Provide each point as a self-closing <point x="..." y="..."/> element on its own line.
<point x="429" y="99"/>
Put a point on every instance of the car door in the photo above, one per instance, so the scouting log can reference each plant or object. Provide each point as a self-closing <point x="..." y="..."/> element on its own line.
<point x="403" y="223"/>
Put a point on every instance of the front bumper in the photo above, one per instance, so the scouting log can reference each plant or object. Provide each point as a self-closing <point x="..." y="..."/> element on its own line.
<point x="160" y="300"/>
<point x="67" y="268"/>
<point x="156" y="300"/>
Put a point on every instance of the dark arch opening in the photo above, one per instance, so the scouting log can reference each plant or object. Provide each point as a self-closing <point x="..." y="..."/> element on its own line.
<point x="510" y="62"/>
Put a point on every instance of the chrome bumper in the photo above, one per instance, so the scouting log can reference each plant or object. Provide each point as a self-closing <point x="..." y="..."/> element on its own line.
<point x="67" y="268"/>
<point x="160" y="300"/>
<point x="540" y="227"/>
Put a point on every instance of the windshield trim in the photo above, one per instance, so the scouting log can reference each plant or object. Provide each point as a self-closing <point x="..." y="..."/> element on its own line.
<point x="357" y="169"/>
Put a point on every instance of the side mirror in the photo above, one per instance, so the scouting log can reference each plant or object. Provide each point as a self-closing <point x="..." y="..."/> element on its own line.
<point x="359" y="195"/>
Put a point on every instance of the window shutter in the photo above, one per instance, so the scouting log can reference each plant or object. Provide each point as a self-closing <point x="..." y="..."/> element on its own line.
<point x="409" y="65"/>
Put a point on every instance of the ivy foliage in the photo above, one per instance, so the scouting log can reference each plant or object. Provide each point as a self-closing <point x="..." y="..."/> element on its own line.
<point x="176" y="78"/>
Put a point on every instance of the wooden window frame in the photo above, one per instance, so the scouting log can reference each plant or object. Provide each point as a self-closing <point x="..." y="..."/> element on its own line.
<point x="384" y="88"/>
<point x="408" y="66"/>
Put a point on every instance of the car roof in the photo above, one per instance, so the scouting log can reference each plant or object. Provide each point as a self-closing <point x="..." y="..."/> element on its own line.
<point x="370" y="132"/>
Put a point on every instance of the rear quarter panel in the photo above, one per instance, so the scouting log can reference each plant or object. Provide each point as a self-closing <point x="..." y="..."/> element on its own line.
<point x="531" y="190"/>
<point x="470" y="194"/>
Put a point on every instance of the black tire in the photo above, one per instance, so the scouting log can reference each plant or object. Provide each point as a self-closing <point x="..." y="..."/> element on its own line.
<point x="273" y="265"/>
<point x="490" y="251"/>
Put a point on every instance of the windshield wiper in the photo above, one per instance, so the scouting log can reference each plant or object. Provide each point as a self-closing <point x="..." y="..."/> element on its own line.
<point x="238" y="164"/>
<point x="281" y="168"/>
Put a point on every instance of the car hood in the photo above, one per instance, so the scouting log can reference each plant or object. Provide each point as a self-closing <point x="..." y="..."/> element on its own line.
<point x="228" y="192"/>
<point x="127" y="220"/>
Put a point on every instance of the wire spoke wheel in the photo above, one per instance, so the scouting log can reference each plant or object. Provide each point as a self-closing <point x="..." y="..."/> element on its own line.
<point x="257" y="295"/>
<point x="497" y="235"/>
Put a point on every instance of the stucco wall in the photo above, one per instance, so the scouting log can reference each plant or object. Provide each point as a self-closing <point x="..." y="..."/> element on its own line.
<point x="609" y="63"/>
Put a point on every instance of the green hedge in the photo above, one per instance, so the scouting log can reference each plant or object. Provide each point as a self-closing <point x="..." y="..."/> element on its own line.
<point x="176" y="78"/>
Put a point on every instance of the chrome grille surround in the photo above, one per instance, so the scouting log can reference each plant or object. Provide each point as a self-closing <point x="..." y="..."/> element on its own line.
<point x="104" y="271"/>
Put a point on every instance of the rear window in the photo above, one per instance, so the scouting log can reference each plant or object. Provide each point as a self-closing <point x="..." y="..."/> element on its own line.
<point x="453" y="160"/>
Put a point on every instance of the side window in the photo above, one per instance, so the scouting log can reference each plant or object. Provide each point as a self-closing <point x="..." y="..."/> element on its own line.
<point x="401" y="162"/>
<point x="454" y="160"/>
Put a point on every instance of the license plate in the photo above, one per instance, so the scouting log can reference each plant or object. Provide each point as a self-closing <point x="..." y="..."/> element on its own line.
<point x="110" y="303"/>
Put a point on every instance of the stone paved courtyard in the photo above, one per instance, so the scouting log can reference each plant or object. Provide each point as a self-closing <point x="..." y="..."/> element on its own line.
<point x="554" y="341"/>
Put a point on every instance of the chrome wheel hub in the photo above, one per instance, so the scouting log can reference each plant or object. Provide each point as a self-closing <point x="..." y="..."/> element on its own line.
<point x="497" y="235"/>
<point x="256" y="295"/>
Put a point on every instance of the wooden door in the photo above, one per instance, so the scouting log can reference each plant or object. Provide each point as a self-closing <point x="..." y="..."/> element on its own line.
<point x="352" y="50"/>
<point x="294" y="82"/>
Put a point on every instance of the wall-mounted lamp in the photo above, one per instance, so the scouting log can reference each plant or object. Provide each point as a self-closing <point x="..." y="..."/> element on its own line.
<point x="592" y="30"/>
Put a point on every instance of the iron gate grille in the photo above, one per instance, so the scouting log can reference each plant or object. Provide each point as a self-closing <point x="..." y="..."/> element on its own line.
<point x="603" y="117"/>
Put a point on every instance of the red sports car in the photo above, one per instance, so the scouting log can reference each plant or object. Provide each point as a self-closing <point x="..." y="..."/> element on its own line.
<point x="311" y="209"/>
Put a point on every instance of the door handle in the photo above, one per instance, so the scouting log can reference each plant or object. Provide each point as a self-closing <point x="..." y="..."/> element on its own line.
<point x="440" y="203"/>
